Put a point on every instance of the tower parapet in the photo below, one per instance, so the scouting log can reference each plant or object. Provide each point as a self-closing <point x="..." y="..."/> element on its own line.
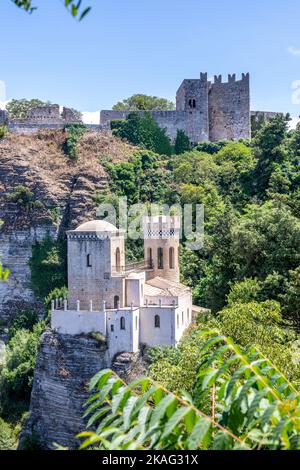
<point x="161" y="246"/>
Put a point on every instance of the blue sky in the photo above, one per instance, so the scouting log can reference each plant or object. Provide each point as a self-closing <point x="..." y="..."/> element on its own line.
<point x="129" y="46"/>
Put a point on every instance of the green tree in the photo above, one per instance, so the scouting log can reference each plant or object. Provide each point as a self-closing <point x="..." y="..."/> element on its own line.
<point x="270" y="150"/>
<point x="143" y="130"/>
<point x="182" y="142"/>
<point x="244" y="292"/>
<point x="265" y="240"/>
<point x="140" y="102"/>
<point x="17" y="372"/>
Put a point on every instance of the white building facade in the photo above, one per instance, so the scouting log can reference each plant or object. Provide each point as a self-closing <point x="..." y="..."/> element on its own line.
<point x="130" y="304"/>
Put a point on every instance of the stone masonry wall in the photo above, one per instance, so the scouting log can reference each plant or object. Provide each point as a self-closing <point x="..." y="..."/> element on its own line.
<point x="192" y="123"/>
<point x="229" y="109"/>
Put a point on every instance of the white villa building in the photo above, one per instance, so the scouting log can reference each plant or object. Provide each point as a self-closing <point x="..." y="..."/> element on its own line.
<point x="130" y="304"/>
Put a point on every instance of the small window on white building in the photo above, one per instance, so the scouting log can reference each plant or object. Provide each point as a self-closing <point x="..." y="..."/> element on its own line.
<point x="188" y="314"/>
<point x="118" y="260"/>
<point x="112" y="328"/>
<point x="122" y="323"/>
<point x="157" y="321"/>
<point x="182" y="318"/>
<point x="160" y="258"/>
<point x="149" y="258"/>
<point x="171" y="258"/>
<point x="88" y="261"/>
<point x="177" y="320"/>
<point x="116" y="301"/>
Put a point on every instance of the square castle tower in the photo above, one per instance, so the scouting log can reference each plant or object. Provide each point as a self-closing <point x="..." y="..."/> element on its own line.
<point x="205" y="110"/>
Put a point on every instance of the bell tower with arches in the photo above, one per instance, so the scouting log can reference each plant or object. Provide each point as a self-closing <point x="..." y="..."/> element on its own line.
<point x="161" y="247"/>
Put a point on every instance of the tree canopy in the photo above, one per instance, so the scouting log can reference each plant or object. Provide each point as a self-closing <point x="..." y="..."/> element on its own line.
<point x="140" y="102"/>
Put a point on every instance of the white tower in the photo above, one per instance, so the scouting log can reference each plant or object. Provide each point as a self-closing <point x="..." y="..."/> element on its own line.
<point x="161" y="246"/>
<point x="96" y="260"/>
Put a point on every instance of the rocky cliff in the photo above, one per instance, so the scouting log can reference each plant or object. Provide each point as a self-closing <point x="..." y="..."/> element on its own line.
<point x="63" y="196"/>
<point x="64" y="367"/>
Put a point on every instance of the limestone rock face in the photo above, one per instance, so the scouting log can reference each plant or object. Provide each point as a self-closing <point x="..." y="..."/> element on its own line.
<point x="64" y="367"/>
<point x="38" y="163"/>
<point x="60" y="387"/>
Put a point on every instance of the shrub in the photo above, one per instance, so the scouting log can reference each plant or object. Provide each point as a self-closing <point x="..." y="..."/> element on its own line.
<point x="17" y="372"/>
<point x="182" y="142"/>
<point x="8" y="438"/>
<point x="3" y="131"/>
<point x="144" y="131"/>
<point x="23" y="321"/>
<point x="75" y="132"/>
<point x="48" y="266"/>
<point x="25" y="198"/>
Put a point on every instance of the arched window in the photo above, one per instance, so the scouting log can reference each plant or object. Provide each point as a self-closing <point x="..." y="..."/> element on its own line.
<point x="157" y="321"/>
<point x="122" y="323"/>
<point x="116" y="301"/>
<point x="88" y="261"/>
<point x="171" y="258"/>
<point x="192" y="103"/>
<point x="118" y="260"/>
<point x="149" y="258"/>
<point x="160" y="258"/>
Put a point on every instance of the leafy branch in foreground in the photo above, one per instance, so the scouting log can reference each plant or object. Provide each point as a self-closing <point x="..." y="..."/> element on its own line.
<point x="247" y="403"/>
<point x="74" y="7"/>
<point x="4" y="273"/>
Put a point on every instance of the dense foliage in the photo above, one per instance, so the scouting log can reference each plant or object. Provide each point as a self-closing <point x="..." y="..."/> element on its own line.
<point x="140" y="102"/>
<point x="144" y="131"/>
<point x="16" y="374"/>
<point x="48" y="266"/>
<point x="74" y="134"/>
<point x="240" y="401"/>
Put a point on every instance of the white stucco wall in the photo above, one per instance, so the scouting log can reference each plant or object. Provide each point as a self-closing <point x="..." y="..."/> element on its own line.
<point x="183" y="315"/>
<point x="71" y="322"/>
<point x="135" y="290"/>
<point x="126" y="340"/>
<point x="165" y="335"/>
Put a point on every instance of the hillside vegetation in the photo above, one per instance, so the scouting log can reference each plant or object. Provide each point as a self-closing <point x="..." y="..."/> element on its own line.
<point x="247" y="273"/>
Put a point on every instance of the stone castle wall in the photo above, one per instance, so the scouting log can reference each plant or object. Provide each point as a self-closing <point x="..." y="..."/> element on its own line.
<point x="229" y="109"/>
<point x="204" y="110"/>
<point x="43" y="117"/>
<point x="190" y="122"/>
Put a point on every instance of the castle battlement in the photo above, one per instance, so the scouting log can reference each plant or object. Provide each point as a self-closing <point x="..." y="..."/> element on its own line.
<point x="205" y="111"/>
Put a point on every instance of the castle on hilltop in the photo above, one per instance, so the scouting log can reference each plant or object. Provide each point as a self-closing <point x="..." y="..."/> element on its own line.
<point x="205" y="111"/>
<point x="131" y="304"/>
